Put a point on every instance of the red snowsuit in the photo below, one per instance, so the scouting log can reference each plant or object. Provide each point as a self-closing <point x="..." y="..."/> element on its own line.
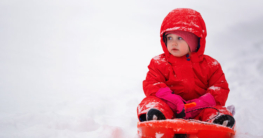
<point x="188" y="76"/>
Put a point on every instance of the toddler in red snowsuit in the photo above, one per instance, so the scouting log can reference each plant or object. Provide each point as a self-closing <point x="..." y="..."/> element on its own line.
<point x="183" y="74"/>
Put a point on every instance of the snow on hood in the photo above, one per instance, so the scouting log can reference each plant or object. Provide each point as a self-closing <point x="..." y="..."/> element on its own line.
<point x="184" y="19"/>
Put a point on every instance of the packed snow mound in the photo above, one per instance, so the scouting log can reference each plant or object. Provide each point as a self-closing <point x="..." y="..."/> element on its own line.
<point x="244" y="72"/>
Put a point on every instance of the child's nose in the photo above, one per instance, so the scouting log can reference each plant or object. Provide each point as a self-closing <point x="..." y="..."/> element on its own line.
<point x="175" y="43"/>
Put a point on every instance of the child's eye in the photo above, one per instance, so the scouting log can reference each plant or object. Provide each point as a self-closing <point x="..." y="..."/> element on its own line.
<point x="169" y="38"/>
<point x="180" y="38"/>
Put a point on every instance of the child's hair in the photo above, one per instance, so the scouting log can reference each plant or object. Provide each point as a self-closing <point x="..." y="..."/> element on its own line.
<point x="165" y="39"/>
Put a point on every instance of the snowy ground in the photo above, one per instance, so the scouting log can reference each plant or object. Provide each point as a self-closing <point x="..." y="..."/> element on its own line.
<point x="74" y="69"/>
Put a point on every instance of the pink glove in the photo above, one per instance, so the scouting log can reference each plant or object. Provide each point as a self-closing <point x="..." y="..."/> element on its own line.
<point x="207" y="100"/>
<point x="175" y="102"/>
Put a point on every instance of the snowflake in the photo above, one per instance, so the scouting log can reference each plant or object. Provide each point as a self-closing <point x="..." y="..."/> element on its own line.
<point x="215" y="63"/>
<point x="214" y="88"/>
<point x="158" y="135"/>
<point x="156" y="83"/>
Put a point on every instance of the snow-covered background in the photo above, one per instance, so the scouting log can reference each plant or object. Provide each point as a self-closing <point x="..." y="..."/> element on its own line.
<point x="74" y="69"/>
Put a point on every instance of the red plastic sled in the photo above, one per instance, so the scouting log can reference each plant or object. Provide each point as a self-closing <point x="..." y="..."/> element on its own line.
<point x="192" y="129"/>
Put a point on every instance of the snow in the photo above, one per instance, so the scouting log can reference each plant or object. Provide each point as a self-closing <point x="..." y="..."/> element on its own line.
<point x="158" y="135"/>
<point x="155" y="117"/>
<point x="170" y="29"/>
<point x="232" y="109"/>
<point x="152" y="104"/>
<point x="215" y="63"/>
<point x="156" y="83"/>
<point x="159" y="59"/>
<point x="75" y="68"/>
<point x="214" y="88"/>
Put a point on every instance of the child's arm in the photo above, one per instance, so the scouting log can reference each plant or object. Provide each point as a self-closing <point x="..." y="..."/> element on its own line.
<point x="154" y="79"/>
<point x="218" y="85"/>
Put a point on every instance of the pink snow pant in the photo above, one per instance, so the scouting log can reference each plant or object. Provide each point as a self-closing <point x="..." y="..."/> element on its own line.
<point x="154" y="102"/>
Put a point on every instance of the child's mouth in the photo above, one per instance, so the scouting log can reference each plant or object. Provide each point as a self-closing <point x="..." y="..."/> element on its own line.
<point x="174" y="49"/>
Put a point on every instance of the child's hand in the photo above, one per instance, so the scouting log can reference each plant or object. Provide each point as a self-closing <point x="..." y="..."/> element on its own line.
<point x="206" y="100"/>
<point x="174" y="101"/>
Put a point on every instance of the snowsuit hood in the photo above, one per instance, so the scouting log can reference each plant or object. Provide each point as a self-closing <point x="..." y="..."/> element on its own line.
<point x="189" y="20"/>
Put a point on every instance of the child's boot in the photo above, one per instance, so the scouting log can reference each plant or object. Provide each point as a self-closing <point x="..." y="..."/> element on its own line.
<point x="154" y="114"/>
<point x="225" y="120"/>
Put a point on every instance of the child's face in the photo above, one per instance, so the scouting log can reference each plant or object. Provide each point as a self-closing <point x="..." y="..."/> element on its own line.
<point x="176" y="45"/>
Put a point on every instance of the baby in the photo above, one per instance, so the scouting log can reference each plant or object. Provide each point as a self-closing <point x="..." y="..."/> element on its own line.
<point x="183" y="74"/>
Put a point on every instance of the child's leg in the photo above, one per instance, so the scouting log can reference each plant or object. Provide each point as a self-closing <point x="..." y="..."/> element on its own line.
<point x="153" y="102"/>
<point x="224" y="116"/>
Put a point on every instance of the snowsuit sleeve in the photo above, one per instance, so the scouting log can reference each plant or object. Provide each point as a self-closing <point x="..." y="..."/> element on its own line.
<point x="154" y="79"/>
<point x="218" y="85"/>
